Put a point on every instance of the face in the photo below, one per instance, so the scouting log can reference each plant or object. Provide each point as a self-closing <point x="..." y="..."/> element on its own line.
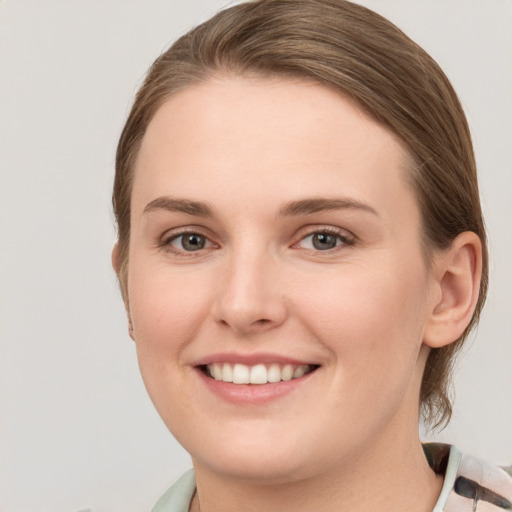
<point x="276" y="282"/>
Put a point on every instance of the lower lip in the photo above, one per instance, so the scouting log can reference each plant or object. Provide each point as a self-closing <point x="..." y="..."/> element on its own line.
<point x="252" y="393"/>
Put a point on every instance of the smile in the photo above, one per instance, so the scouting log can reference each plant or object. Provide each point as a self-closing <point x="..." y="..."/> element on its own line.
<point x="256" y="374"/>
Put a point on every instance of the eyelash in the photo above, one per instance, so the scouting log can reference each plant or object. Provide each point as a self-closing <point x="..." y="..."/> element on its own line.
<point x="166" y="243"/>
<point x="345" y="240"/>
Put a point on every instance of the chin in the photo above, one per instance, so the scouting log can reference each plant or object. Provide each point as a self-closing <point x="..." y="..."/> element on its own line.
<point x="274" y="458"/>
<point x="254" y="468"/>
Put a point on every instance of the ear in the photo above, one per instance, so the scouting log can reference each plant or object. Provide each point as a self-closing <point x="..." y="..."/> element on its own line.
<point x="116" y="265"/>
<point x="457" y="274"/>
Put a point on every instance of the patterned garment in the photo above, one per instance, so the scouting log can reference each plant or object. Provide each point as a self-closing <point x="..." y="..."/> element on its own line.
<point x="470" y="485"/>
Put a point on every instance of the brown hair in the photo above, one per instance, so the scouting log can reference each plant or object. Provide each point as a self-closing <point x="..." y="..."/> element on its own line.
<point x="351" y="49"/>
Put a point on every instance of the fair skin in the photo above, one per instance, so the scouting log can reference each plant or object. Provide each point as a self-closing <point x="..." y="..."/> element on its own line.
<point x="273" y="226"/>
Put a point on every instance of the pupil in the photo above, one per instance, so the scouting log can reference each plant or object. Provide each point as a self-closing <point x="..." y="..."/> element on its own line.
<point x="193" y="242"/>
<point x="324" y="241"/>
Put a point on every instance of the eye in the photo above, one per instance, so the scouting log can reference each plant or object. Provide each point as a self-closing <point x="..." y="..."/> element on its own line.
<point x="189" y="242"/>
<point x="324" y="240"/>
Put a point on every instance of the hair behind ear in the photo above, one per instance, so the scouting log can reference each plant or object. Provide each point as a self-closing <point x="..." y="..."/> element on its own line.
<point x="457" y="274"/>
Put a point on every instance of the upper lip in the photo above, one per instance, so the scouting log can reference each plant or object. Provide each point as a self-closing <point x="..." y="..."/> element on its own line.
<point x="248" y="359"/>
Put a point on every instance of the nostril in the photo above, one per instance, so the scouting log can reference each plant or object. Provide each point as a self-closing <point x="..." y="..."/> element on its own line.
<point x="263" y="322"/>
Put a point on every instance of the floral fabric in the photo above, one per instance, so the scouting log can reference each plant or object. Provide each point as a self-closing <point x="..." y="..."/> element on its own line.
<point x="470" y="485"/>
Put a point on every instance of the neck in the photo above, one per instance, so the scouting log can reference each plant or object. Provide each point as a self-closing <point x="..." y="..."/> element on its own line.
<point x="392" y="477"/>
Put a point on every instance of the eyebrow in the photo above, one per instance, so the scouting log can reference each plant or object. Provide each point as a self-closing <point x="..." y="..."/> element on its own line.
<point x="315" y="205"/>
<point x="293" y="208"/>
<point x="197" y="208"/>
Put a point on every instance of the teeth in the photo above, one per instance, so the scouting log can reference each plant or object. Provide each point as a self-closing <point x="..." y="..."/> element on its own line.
<point x="299" y="372"/>
<point x="287" y="372"/>
<point x="257" y="374"/>
<point x="227" y="373"/>
<point x="217" y="371"/>
<point x="274" y="373"/>
<point x="240" y="374"/>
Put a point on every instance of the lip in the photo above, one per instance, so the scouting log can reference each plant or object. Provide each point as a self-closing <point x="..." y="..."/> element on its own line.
<point x="250" y="394"/>
<point x="248" y="359"/>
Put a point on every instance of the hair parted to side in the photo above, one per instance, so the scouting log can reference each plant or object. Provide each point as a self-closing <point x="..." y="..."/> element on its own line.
<point x="357" y="52"/>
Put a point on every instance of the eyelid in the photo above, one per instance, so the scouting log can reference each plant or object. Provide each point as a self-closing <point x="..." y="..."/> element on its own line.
<point x="171" y="233"/>
<point x="173" y="238"/>
<point x="165" y="240"/>
<point x="347" y="238"/>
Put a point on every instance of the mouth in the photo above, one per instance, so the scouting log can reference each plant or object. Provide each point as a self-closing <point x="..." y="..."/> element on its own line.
<point x="258" y="374"/>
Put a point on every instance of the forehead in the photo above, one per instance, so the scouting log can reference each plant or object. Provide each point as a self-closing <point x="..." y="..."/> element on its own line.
<point x="253" y="134"/>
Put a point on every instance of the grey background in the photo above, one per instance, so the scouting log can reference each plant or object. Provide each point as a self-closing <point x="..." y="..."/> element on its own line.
<point x="76" y="427"/>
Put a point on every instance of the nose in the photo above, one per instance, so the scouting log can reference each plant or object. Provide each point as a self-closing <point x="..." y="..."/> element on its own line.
<point x="249" y="299"/>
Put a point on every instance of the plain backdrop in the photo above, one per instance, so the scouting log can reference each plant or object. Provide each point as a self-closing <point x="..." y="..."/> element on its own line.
<point x="77" y="430"/>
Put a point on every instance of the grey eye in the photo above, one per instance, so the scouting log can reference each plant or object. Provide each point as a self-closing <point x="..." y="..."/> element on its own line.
<point x="189" y="242"/>
<point x="324" y="241"/>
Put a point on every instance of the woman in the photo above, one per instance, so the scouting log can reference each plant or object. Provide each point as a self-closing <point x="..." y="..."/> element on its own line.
<point x="302" y="253"/>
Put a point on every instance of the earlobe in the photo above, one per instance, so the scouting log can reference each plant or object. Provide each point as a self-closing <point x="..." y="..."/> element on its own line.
<point x="116" y="262"/>
<point x="458" y="272"/>
<point x="130" y="327"/>
<point x="116" y="265"/>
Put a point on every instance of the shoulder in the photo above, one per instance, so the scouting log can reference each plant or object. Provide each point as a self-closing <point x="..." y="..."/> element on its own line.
<point x="470" y="484"/>
<point x="482" y="484"/>
<point x="178" y="497"/>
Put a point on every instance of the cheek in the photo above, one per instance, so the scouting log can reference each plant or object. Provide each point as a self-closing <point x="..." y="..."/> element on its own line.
<point x="370" y="315"/>
<point x="166" y="313"/>
<point x="166" y="309"/>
